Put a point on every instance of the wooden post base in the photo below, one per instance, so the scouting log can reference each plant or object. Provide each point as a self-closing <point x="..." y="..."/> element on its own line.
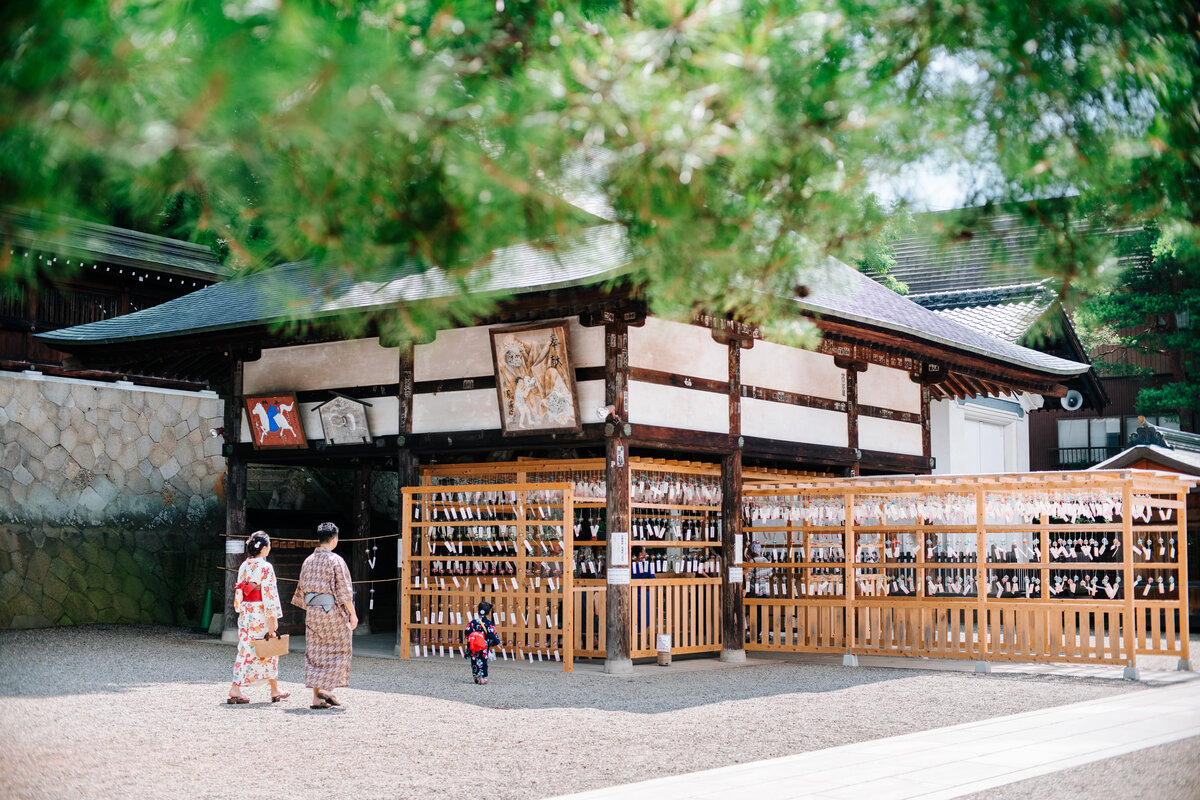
<point x="1132" y="674"/>
<point x="729" y="656"/>
<point x="618" y="666"/>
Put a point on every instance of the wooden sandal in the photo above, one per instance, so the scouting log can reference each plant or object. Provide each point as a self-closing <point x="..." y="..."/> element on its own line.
<point x="328" y="698"/>
<point x="275" y="698"/>
<point x="321" y="704"/>
<point x="237" y="701"/>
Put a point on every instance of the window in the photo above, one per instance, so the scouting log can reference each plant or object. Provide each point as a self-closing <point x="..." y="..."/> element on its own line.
<point x="1083" y="442"/>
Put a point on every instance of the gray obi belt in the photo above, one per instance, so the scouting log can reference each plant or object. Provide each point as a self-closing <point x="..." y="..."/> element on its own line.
<point x="322" y="600"/>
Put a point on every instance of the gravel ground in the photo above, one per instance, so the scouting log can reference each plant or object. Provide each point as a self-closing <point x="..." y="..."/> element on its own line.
<point x="1168" y="772"/>
<point x="107" y="711"/>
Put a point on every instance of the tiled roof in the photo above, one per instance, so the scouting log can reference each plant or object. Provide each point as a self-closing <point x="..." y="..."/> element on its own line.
<point x="598" y="255"/>
<point x="850" y="295"/>
<point x="999" y="251"/>
<point x="299" y="290"/>
<point x="91" y="241"/>
<point x="1007" y="312"/>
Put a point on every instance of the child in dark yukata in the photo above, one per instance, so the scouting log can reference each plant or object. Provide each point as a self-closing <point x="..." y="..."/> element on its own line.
<point x="479" y="658"/>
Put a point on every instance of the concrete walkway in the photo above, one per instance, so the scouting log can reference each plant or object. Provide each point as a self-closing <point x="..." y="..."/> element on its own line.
<point x="947" y="762"/>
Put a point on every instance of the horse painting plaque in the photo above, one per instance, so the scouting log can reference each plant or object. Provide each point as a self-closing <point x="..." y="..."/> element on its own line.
<point x="275" y="422"/>
<point x="535" y="380"/>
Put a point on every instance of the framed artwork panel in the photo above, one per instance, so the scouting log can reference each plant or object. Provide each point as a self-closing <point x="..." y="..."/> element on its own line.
<point x="535" y="379"/>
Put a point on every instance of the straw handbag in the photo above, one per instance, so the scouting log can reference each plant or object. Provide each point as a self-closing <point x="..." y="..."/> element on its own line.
<point x="268" y="648"/>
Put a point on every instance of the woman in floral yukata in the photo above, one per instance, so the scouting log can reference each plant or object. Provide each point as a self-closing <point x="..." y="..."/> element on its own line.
<point x="256" y="599"/>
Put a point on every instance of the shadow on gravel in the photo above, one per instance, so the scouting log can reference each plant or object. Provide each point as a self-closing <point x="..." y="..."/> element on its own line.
<point x="52" y="662"/>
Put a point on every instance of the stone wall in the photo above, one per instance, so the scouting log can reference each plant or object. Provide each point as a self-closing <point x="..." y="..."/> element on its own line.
<point x="110" y="502"/>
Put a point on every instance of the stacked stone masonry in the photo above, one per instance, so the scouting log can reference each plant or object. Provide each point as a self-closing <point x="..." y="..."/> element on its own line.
<point x="108" y="495"/>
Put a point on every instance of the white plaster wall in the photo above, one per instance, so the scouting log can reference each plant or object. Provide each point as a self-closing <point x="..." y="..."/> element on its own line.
<point x="467" y="353"/>
<point x="789" y="369"/>
<point x="672" y="407"/>
<point x="768" y="420"/>
<point x="680" y="349"/>
<point x="472" y="410"/>
<point x="885" y="387"/>
<point x="889" y="436"/>
<point x="329" y="365"/>
<point x="970" y="438"/>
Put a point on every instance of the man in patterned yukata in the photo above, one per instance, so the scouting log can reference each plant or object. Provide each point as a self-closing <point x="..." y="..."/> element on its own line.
<point x="326" y="593"/>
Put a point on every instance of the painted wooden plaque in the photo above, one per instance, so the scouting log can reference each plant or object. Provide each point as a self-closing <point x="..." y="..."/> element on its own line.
<point x="535" y="380"/>
<point x="344" y="421"/>
<point x="275" y="422"/>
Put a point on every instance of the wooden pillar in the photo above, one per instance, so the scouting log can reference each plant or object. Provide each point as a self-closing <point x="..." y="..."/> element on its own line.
<point x="1132" y="628"/>
<point x="733" y="609"/>
<point x="235" y="499"/>
<point x="852" y="419"/>
<point x="616" y="476"/>
<point x="406" y="475"/>
<point x="360" y="550"/>
<point x="927" y="426"/>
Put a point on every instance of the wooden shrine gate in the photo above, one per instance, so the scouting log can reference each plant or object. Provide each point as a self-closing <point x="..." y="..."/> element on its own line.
<point x="1075" y="567"/>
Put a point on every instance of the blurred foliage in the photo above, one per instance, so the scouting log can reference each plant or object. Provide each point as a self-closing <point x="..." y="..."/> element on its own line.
<point x="736" y="142"/>
<point x="1153" y="307"/>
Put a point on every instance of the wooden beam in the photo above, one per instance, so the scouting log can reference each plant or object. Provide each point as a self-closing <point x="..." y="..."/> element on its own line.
<point x="797" y="452"/>
<point x="677" y="439"/>
<point x="678" y="381"/>
<point x="894" y="462"/>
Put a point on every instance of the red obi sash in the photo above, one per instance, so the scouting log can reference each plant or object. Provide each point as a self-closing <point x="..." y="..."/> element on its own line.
<point x="251" y="592"/>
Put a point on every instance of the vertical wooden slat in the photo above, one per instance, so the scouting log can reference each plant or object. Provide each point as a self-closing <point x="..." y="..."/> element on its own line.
<point x="1132" y="622"/>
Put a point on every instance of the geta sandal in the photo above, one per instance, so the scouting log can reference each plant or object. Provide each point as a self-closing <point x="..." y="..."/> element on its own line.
<point x="237" y="701"/>
<point x="321" y="704"/>
<point x="275" y="698"/>
<point x="328" y="698"/>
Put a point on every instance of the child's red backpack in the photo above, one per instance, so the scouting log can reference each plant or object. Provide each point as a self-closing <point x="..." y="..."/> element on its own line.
<point x="476" y="642"/>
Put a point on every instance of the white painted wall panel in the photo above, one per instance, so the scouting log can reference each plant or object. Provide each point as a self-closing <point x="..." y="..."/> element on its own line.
<point x="672" y="407"/>
<point x="591" y="397"/>
<point x="885" y="387"/>
<point x="768" y="420"/>
<point x="466" y="352"/>
<point x="678" y="348"/>
<point x="889" y="436"/>
<point x="970" y="438"/>
<point x="475" y="409"/>
<point x="790" y="369"/>
<point x="330" y="365"/>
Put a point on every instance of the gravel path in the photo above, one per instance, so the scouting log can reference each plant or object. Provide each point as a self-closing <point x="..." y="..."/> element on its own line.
<point x="113" y="710"/>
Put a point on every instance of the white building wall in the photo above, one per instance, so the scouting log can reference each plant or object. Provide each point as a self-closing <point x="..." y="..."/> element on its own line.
<point x="979" y="436"/>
